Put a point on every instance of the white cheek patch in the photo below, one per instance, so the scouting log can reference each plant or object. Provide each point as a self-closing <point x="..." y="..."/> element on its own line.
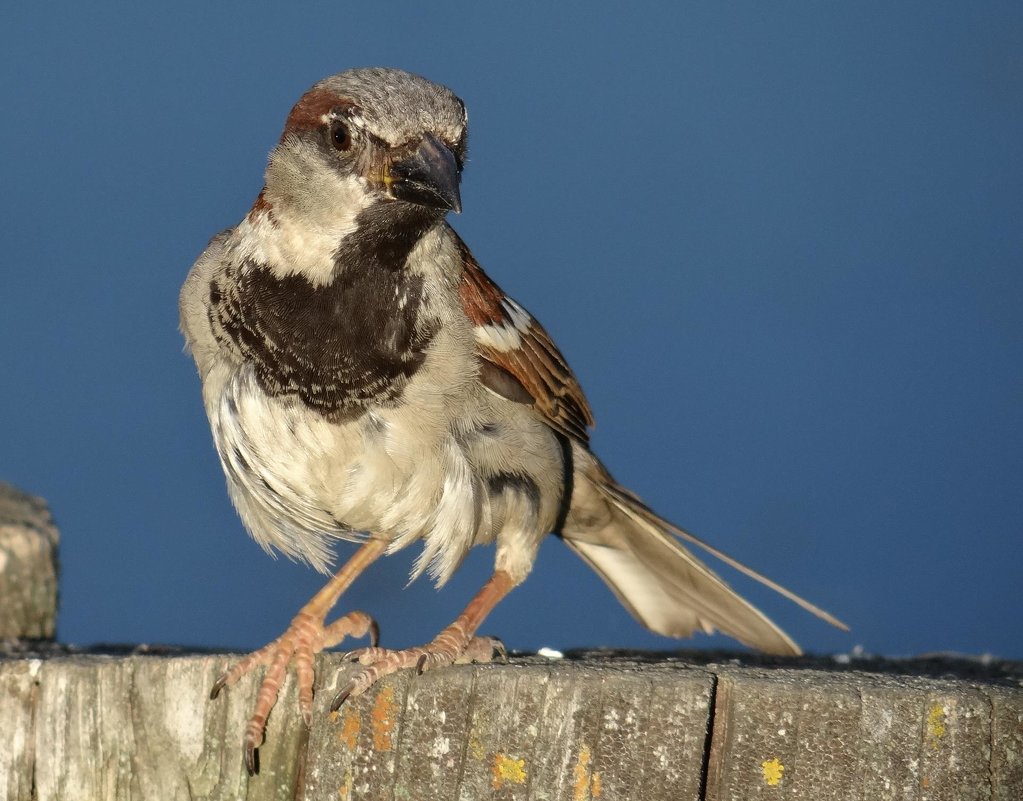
<point x="506" y="335"/>
<point x="303" y="232"/>
<point x="267" y="240"/>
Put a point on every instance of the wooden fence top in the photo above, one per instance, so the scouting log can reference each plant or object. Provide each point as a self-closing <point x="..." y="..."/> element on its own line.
<point x="598" y="727"/>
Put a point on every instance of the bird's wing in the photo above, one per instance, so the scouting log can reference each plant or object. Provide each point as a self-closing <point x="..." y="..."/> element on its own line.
<point x="518" y="358"/>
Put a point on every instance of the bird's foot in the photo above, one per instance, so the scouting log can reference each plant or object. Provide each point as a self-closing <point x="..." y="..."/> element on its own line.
<point x="450" y="647"/>
<point x="305" y="637"/>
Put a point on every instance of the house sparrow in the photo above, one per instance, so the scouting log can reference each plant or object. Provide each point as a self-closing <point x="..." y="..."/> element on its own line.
<point x="366" y="381"/>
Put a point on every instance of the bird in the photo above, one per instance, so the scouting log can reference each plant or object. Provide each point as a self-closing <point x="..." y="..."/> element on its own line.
<point x="366" y="381"/>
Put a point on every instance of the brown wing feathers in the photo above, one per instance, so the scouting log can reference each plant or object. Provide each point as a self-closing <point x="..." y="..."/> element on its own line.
<point x="508" y="338"/>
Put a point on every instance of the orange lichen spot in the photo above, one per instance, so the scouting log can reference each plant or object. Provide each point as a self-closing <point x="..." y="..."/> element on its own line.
<point x="581" y="787"/>
<point x="351" y="725"/>
<point x="384" y="720"/>
<point x="507" y="770"/>
<point x="936" y="725"/>
<point x="772" y="770"/>
<point x="587" y="785"/>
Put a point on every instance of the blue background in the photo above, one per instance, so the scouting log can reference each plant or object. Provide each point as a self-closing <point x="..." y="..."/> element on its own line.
<point x="781" y="246"/>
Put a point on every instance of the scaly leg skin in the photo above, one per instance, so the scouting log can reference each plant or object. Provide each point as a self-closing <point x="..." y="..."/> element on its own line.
<point x="455" y="645"/>
<point x="304" y="638"/>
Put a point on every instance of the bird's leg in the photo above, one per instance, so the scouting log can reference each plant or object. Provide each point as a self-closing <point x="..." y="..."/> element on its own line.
<point x="454" y="645"/>
<point x="306" y="636"/>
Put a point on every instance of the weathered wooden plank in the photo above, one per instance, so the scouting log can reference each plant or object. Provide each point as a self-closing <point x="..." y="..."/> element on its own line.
<point x="436" y="719"/>
<point x="353" y="753"/>
<point x="28" y="566"/>
<point x="1006" y="743"/>
<point x="505" y="708"/>
<point x="142" y="727"/>
<point x="777" y="731"/>
<point x="678" y="746"/>
<point x="810" y="734"/>
<point x="522" y="731"/>
<point x="109" y="729"/>
<point x="17" y="702"/>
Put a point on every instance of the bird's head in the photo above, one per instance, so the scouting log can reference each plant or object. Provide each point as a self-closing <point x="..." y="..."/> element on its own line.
<point x="380" y="138"/>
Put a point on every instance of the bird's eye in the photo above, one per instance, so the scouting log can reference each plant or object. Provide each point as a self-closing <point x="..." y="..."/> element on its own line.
<point x="340" y="138"/>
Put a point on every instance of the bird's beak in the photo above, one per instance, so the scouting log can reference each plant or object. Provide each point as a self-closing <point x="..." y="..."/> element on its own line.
<point x="429" y="177"/>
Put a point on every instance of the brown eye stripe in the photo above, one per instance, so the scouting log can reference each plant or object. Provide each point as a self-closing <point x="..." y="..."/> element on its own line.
<point x="308" y="113"/>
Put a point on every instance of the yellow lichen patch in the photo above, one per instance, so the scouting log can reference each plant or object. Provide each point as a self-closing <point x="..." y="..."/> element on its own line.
<point x="936" y="725"/>
<point x="351" y="725"/>
<point x="476" y="749"/>
<point x="383" y="719"/>
<point x="346" y="790"/>
<point x="587" y="784"/>
<point x="772" y="770"/>
<point x="507" y="770"/>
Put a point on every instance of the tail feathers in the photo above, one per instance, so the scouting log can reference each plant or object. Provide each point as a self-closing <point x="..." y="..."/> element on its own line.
<point x="627" y="499"/>
<point x="657" y="579"/>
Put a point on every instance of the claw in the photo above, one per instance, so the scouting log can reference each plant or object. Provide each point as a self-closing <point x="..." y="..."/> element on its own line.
<point x="374" y="634"/>
<point x="502" y="652"/>
<point x="341" y="697"/>
<point x="420" y="665"/>
<point x="218" y="685"/>
<point x="251" y="759"/>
